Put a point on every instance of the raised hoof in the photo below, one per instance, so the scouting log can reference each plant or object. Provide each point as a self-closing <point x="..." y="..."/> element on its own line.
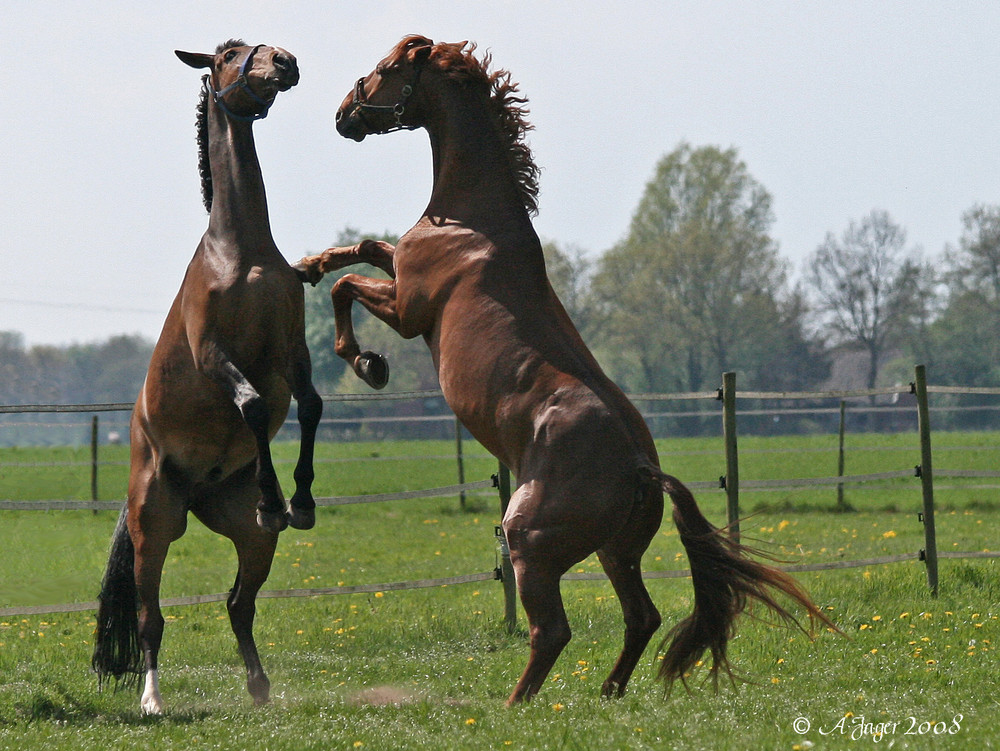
<point x="272" y="521"/>
<point x="302" y="518"/>
<point x="373" y="369"/>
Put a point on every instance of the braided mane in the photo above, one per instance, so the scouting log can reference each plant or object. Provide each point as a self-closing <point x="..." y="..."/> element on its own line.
<point x="458" y="63"/>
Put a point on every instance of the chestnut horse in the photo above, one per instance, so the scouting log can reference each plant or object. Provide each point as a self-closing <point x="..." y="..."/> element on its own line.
<point x="231" y="354"/>
<point x="470" y="278"/>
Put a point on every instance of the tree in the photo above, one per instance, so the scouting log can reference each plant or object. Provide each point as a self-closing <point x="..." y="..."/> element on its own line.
<point x="697" y="282"/>
<point x="867" y="285"/>
<point x="569" y="274"/>
<point x="966" y="334"/>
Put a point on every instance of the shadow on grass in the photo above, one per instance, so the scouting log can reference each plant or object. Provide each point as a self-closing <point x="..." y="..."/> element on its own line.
<point x="55" y="704"/>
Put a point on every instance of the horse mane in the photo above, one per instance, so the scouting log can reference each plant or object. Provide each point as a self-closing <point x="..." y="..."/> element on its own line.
<point x="458" y="63"/>
<point x="201" y="122"/>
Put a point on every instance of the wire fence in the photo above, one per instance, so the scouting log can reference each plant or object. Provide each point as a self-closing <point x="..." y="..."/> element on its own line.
<point x="730" y="483"/>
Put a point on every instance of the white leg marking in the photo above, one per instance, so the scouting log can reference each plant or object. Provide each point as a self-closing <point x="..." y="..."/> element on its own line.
<point x="152" y="702"/>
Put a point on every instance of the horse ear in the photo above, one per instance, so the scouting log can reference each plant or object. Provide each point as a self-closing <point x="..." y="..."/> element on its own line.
<point x="419" y="55"/>
<point x="196" y="59"/>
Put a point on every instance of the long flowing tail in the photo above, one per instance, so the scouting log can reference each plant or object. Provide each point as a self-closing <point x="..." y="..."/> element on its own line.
<point x="116" y="640"/>
<point x="726" y="580"/>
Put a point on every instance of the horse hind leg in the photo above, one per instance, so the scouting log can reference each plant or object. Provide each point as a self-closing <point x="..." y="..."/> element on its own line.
<point x="642" y="619"/>
<point x="538" y="587"/>
<point x="229" y="512"/>
<point x="153" y="531"/>
<point x="621" y="558"/>
<point x="254" y="566"/>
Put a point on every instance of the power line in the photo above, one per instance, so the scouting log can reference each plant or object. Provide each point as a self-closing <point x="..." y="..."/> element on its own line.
<point x="79" y="306"/>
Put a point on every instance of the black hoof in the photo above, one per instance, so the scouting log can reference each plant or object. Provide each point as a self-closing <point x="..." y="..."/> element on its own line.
<point x="302" y="518"/>
<point x="272" y="521"/>
<point x="373" y="369"/>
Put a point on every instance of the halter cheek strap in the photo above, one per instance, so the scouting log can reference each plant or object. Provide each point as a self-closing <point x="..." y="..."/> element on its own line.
<point x="360" y="103"/>
<point x="241" y="82"/>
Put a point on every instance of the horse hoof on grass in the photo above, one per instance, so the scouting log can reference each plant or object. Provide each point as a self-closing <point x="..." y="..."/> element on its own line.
<point x="302" y="518"/>
<point x="272" y="521"/>
<point x="373" y="369"/>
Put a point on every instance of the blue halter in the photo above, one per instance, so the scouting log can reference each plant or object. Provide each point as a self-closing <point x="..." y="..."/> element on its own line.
<point x="241" y="83"/>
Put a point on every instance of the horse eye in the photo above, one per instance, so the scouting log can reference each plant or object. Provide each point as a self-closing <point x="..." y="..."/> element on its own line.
<point x="230" y="56"/>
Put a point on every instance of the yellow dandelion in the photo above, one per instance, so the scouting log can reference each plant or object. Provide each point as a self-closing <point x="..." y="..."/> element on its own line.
<point x="380" y="594"/>
<point x="775" y="680"/>
<point x="782" y="524"/>
<point x="471" y="721"/>
<point x="558" y="707"/>
<point x="888" y="534"/>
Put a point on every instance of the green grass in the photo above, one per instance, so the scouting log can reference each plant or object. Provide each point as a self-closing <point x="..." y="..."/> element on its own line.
<point x="432" y="668"/>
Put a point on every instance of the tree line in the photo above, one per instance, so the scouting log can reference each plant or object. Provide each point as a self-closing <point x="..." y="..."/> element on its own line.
<point x="697" y="286"/>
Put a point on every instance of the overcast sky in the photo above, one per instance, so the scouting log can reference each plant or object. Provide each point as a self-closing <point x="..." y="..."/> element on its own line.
<point x="837" y="108"/>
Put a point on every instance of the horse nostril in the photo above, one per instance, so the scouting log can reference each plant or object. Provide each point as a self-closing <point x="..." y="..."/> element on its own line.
<point x="340" y="115"/>
<point x="280" y="61"/>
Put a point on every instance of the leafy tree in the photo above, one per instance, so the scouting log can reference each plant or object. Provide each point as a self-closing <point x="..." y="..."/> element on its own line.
<point x="569" y="274"/>
<point x="866" y="285"/>
<point x="965" y="336"/>
<point x="697" y="284"/>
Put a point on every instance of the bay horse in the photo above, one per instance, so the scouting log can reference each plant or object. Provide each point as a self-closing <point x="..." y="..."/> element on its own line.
<point x="470" y="279"/>
<point x="231" y="354"/>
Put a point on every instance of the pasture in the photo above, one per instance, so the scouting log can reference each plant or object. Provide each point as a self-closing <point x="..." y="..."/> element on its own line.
<point x="431" y="668"/>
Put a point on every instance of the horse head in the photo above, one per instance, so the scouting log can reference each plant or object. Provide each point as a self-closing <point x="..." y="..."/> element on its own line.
<point x="244" y="80"/>
<point x="382" y="101"/>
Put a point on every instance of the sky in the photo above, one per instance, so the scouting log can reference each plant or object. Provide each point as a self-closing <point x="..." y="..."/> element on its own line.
<point x="837" y="108"/>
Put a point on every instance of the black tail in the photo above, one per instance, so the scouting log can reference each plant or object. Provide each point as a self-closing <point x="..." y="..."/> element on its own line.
<point x="116" y="640"/>
<point x="726" y="579"/>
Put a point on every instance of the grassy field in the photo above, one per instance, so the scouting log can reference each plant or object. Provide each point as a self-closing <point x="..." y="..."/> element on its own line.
<point x="431" y="668"/>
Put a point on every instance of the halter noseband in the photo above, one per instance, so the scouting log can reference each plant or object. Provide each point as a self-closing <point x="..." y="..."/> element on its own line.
<point x="241" y="82"/>
<point x="360" y="102"/>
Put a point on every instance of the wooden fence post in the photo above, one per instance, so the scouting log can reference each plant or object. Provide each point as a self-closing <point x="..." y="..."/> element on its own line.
<point x="732" y="457"/>
<point x="506" y="569"/>
<point x="841" y="506"/>
<point x="93" y="460"/>
<point x="929" y="553"/>
<point x="461" y="463"/>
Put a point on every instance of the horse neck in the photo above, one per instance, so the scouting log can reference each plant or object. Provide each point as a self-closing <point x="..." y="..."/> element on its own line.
<point x="473" y="182"/>
<point x="238" y="218"/>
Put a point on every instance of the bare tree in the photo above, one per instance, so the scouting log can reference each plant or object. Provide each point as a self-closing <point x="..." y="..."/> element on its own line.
<point x="866" y="285"/>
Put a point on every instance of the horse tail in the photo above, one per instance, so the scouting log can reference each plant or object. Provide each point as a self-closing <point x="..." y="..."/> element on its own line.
<point x="726" y="580"/>
<point x="116" y="639"/>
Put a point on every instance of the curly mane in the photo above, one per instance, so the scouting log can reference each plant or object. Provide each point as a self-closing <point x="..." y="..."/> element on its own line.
<point x="201" y="122"/>
<point x="457" y="62"/>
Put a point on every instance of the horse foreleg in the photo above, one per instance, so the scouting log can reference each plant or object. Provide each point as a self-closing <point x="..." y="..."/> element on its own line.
<point x="216" y="365"/>
<point x="374" y="252"/>
<point x="379" y="298"/>
<point x="310" y="409"/>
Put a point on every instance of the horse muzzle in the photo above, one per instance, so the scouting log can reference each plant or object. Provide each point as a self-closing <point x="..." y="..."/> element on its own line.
<point x="350" y="123"/>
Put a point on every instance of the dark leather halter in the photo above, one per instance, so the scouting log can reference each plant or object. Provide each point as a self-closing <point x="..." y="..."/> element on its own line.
<point x="241" y="82"/>
<point x="361" y="105"/>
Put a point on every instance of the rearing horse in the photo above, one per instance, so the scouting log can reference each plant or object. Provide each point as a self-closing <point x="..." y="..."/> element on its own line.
<point x="470" y="278"/>
<point x="231" y="354"/>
